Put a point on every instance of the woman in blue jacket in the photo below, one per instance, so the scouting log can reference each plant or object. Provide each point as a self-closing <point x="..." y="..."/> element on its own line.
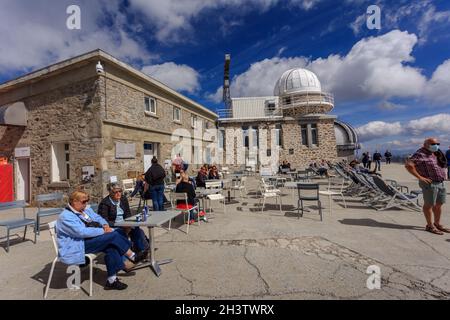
<point x="81" y="231"/>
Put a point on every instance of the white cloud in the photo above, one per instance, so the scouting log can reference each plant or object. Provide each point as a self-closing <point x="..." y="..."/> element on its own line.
<point x="178" y="77"/>
<point x="387" y="105"/>
<point x="34" y="33"/>
<point x="439" y="123"/>
<point x="378" y="129"/>
<point x="414" y="131"/>
<point x="376" y="67"/>
<point x="438" y="88"/>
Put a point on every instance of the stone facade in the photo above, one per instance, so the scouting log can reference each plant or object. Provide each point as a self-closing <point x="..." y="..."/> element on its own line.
<point x="73" y="104"/>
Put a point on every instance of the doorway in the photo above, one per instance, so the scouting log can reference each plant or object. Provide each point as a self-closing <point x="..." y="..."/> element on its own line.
<point x="23" y="179"/>
<point x="150" y="151"/>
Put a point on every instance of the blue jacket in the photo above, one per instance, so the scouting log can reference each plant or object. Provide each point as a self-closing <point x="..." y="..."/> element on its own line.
<point x="71" y="232"/>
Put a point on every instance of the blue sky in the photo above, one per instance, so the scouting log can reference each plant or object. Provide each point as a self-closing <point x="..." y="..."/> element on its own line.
<point x="393" y="84"/>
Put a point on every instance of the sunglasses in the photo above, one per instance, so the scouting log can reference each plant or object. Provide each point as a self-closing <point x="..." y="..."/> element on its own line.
<point x="435" y="144"/>
<point x="117" y="191"/>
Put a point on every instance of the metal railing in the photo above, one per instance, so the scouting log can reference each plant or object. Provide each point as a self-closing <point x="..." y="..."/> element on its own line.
<point x="268" y="113"/>
<point x="307" y="99"/>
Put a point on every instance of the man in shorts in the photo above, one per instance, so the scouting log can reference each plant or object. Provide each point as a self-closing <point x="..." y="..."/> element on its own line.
<point x="428" y="165"/>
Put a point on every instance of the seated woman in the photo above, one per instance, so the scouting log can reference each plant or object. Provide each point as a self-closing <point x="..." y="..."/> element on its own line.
<point x="115" y="208"/>
<point x="184" y="186"/>
<point x="81" y="231"/>
<point x="202" y="176"/>
<point x="213" y="174"/>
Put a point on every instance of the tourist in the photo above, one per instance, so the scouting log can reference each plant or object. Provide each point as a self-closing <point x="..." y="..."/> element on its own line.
<point x="201" y="178"/>
<point x="115" y="208"/>
<point x="184" y="186"/>
<point x="388" y="156"/>
<point x="428" y="166"/>
<point x="447" y="155"/>
<point x="81" y="231"/>
<point x="377" y="158"/>
<point x="369" y="161"/>
<point x="213" y="174"/>
<point x="154" y="177"/>
<point x="365" y="159"/>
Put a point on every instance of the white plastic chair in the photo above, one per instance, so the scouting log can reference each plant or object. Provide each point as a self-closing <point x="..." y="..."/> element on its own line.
<point x="338" y="192"/>
<point x="91" y="257"/>
<point x="269" y="193"/>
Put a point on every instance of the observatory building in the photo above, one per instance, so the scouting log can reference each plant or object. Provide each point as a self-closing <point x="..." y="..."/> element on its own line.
<point x="296" y="119"/>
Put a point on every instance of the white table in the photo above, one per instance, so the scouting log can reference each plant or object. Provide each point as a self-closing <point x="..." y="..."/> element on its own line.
<point x="155" y="219"/>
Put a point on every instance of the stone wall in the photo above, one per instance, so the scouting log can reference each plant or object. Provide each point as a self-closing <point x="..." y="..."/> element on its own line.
<point x="69" y="114"/>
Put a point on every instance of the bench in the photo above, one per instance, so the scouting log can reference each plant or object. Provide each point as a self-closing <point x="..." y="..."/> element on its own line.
<point x="17" y="223"/>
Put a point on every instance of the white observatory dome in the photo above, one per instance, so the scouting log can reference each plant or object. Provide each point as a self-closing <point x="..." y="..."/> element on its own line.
<point x="297" y="81"/>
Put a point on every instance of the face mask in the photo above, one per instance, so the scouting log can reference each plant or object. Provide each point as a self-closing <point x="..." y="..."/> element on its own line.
<point x="433" y="148"/>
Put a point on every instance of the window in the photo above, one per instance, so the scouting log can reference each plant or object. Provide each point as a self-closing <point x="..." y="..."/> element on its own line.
<point x="194" y="121"/>
<point x="150" y="105"/>
<point x="304" y="135"/>
<point x="314" y="138"/>
<point x="206" y="125"/>
<point x="60" y="162"/>
<point x="278" y="136"/>
<point x="291" y="151"/>
<point x="176" y="114"/>
<point x="221" y="138"/>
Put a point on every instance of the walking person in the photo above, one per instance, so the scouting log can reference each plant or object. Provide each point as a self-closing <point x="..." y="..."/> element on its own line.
<point x="377" y="158"/>
<point x="388" y="156"/>
<point x="428" y="165"/>
<point x="154" y="177"/>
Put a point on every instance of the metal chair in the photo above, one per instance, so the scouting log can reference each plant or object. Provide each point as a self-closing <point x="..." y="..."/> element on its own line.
<point x="18" y="223"/>
<point x="91" y="258"/>
<point x="269" y="193"/>
<point x="240" y="186"/>
<point x="46" y="212"/>
<point x="183" y="197"/>
<point x="304" y="194"/>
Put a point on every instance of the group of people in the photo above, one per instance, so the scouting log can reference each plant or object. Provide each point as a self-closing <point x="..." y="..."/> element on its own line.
<point x="367" y="159"/>
<point x="81" y="231"/>
<point x="322" y="168"/>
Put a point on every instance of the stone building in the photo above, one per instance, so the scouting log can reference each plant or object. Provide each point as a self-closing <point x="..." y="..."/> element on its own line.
<point x="296" y="121"/>
<point x="90" y="120"/>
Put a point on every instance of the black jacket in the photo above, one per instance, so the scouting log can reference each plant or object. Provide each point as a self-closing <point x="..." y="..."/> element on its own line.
<point x="186" y="187"/>
<point x="155" y="175"/>
<point x="109" y="211"/>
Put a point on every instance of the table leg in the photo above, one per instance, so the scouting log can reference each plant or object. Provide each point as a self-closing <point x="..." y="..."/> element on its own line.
<point x="153" y="263"/>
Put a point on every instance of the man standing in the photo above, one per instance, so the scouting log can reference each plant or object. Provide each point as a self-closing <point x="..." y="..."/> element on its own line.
<point x="388" y="156"/>
<point x="447" y="155"/>
<point x="377" y="158"/>
<point x="428" y="165"/>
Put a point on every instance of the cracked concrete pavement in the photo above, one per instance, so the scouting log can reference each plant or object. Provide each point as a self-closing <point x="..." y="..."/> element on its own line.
<point x="249" y="254"/>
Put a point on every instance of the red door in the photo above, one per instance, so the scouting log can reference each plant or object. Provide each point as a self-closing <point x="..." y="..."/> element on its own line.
<point x="6" y="183"/>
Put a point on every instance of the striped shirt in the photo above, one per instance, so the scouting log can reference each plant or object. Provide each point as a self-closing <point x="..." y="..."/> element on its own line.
<point x="427" y="165"/>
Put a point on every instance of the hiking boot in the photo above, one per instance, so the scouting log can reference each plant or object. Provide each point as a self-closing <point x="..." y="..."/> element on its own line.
<point x="116" y="285"/>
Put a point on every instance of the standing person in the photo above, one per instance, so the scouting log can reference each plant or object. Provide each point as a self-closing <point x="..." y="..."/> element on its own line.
<point x="154" y="177"/>
<point x="447" y="155"/>
<point x="388" y="156"/>
<point x="428" y="165"/>
<point x="369" y="161"/>
<point x="377" y="158"/>
<point x="364" y="159"/>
